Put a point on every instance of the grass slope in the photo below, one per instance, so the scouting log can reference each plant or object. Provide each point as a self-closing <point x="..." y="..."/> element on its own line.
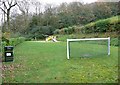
<point x="37" y="62"/>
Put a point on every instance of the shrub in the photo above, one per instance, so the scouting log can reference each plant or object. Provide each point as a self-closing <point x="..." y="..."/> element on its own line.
<point x="65" y="30"/>
<point x="13" y="41"/>
<point x="77" y="29"/>
<point x="16" y="41"/>
<point x="70" y="30"/>
<point x="104" y="25"/>
<point x="56" y="31"/>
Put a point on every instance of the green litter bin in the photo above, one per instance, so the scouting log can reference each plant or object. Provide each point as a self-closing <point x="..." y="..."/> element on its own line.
<point x="8" y="52"/>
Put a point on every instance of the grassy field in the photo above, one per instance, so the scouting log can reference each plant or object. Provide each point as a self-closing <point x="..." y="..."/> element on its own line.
<point x="38" y="62"/>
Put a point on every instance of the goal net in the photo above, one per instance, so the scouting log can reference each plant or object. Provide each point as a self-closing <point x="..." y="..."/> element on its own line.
<point x="88" y="47"/>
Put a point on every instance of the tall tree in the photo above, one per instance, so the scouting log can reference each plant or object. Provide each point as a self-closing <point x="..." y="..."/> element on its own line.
<point x="101" y="10"/>
<point x="38" y="11"/>
<point x="6" y="7"/>
<point x="37" y="5"/>
<point x="24" y="7"/>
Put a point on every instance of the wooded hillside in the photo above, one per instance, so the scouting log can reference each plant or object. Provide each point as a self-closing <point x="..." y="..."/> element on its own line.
<point x="43" y="23"/>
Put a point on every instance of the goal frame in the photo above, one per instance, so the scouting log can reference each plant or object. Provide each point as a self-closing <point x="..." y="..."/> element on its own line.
<point x="86" y="39"/>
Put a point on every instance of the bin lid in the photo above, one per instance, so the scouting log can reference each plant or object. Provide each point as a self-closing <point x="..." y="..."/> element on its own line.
<point x="8" y="47"/>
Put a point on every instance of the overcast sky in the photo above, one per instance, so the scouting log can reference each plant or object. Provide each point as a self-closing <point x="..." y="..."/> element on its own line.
<point x="84" y="1"/>
<point x="60" y="1"/>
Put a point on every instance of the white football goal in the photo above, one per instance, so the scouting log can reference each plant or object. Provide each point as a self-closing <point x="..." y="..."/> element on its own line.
<point x="84" y="41"/>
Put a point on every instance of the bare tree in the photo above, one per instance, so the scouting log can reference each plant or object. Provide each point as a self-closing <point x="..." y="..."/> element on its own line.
<point x="2" y="13"/>
<point x="38" y="12"/>
<point x="6" y="6"/>
<point x="37" y="6"/>
<point x="24" y="6"/>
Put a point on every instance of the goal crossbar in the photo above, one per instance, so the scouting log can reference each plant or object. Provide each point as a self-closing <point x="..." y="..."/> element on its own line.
<point x="86" y="39"/>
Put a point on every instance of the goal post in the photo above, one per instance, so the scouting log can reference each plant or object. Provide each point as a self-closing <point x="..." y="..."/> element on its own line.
<point x="87" y="39"/>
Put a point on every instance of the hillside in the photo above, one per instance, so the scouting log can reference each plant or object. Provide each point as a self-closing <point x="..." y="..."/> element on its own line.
<point x="100" y="26"/>
<point x="103" y="25"/>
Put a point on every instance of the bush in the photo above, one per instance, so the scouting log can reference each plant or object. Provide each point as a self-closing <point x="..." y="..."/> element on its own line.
<point x="65" y="30"/>
<point x="16" y="41"/>
<point x="28" y="39"/>
<point x="68" y="30"/>
<point x="77" y="29"/>
<point x="104" y="25"/>
<point x="56" y="31"/>
<point x="13" y="42"/>
<point x="39" y="32"/>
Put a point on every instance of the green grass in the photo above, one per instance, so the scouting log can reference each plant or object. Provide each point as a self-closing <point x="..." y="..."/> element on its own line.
<point x="91" y="50"/>
<point x="37" y="62"/>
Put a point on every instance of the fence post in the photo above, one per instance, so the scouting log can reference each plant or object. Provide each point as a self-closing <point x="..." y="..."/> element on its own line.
<point x="108" y="45"/>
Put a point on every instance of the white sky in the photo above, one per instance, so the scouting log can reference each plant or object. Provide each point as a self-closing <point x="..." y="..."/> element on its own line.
<point x="84" y="1"/>
<point x="61" y="1"/>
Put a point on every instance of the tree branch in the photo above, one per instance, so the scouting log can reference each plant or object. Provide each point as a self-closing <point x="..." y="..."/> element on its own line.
<point x="3" y="10"/>
<point x="21" y="9"/>
<point x="4" y="5"/>
<point x="11" y="2"/>
<point x="8" y="2"/>
<point x="12" y="6"/>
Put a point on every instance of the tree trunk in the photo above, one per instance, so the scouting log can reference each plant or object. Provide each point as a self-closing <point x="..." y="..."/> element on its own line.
<point x="8" y="20"/>
<point x="8" y="24"/>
